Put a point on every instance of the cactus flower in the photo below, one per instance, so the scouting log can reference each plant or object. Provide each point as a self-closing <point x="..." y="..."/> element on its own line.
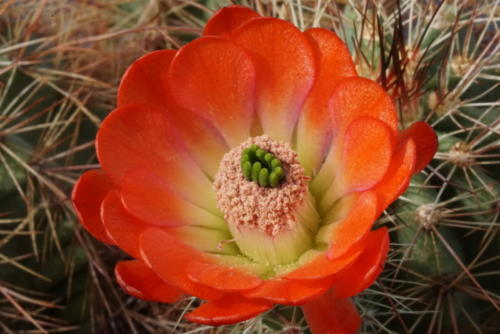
<point x="247" y="169"/>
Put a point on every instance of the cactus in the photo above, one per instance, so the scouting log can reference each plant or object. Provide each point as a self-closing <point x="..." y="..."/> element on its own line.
<point x="60" y="64"/>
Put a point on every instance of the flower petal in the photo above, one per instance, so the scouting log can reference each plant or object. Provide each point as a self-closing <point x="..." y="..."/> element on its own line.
<point x="284" y="65"/>
<point x="397" y="177"/>
<point x="228" y="19"/>
<point x="426" y="141"/>
<point x="318" y="265"/>
<point x="362" y="272"/>
<point x="329" y="314"/>
<point x="122" y="228"/>
<point x="366" y="157"/>
<point x="151" y="199"/>
<point x="342" y="235"/>
<point x="228" y="310"/>
<point x="203" y="141"/>
<point x="290" y="292"/>
<point x="333" y="64"/>
<point x="125" y="230"/>
<point x="353" y="98"/>
<point x="222" y="278"/>
<point x="145" y="83"/>
<point x="367" y="153"/>
<point x="204" y="239"/>
<point x="136" y="279"/>
<point x="358" y="97"/>
<point x="170" y="259"/>
<point x="88" y="194"/>
<point x="138" y="136"/>
<point x="213" y="77"/>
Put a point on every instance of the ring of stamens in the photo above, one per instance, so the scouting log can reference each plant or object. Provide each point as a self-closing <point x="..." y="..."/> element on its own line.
<point x="249" y="200"/>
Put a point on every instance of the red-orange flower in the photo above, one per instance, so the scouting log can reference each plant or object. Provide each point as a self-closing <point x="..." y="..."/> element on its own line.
<point x="180" y="190"/>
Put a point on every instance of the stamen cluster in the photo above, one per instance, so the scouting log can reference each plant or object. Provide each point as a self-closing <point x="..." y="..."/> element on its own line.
<point x="265" y="208"/>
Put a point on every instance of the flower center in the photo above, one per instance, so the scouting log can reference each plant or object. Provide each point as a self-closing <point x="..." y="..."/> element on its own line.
<point x="262" y="190"/>
<point x="261" y="166"/>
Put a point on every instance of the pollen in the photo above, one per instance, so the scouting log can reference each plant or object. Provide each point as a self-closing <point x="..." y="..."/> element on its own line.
<point x="247" y="204"/>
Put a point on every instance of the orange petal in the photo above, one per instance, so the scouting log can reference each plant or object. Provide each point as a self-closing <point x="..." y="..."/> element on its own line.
<point x="289" y="292"/>
<point x="353" y="98"/>
<point x="228" y="310"/>
<point x="145" y="83"/>
<point x="426" y="141"/>
<point x="151" y="199"/>
<point x="397" y="177"/>
<point x="170" y="259"/>
<point x="284" y="64"/>
<point x="215" y="78"/>
<point x="138" y="136"/>
<point x="122" y="228"/>
<point x="358" y="97"/>
<point x="367" y="153"/>
<point x="329" y="314"/>
<point x="88" y="194"/>
<point x="362" y="272"/>
<point x="321" y="266"/>
<point x="355" y="226"/>
<point x="228" y="19"/>
<point x="136" y="279"/>
<point x="333" y="64"/>
<point x="334" y="60"/>
<point x="222" y="278"/>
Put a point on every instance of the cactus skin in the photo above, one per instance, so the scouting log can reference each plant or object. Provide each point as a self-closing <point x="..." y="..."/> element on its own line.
<point x="438" y="61"/>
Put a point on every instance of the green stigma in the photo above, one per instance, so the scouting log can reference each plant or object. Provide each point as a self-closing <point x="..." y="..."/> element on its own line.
<point x="262" y="167"/>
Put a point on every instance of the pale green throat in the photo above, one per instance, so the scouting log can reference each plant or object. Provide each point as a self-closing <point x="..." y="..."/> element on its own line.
<point x="261" y="166"/>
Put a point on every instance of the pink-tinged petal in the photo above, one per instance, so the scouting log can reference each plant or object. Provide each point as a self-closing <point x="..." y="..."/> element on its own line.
<point x="228" y="19"/>
<point x="221" y="277"/>
<point x="321" y="266"/>
<point x="145" y="82"/>
<point x="397" y="177"/>
<point x="151" y="199"/>
<point x="361" y="274"/>
<point x="210" y="240"/>
<point x="344" y="234"/>
<point x="333" y="64"/>
<point x="353" y="98"/>
<point x="290" y="292"/>
<point x="215" y="78"/>
<point x="203" y="141"/>
<point x="122" y="228"/>
<point x="284" y="64"/>
<point x="88" y="194"/>
<point x="136" y="279"/>
<point x="426" y="143"/>
<point x="170" y="259"/>
<point x="329" y="314"/>
<point x="367" y="154"/>
<point x="228" y="310"/>
<point x="125" y="229"/>
<point x="140" y="137"/>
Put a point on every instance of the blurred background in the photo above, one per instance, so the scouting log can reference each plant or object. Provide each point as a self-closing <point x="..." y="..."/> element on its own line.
<point x="60" y="65"/>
